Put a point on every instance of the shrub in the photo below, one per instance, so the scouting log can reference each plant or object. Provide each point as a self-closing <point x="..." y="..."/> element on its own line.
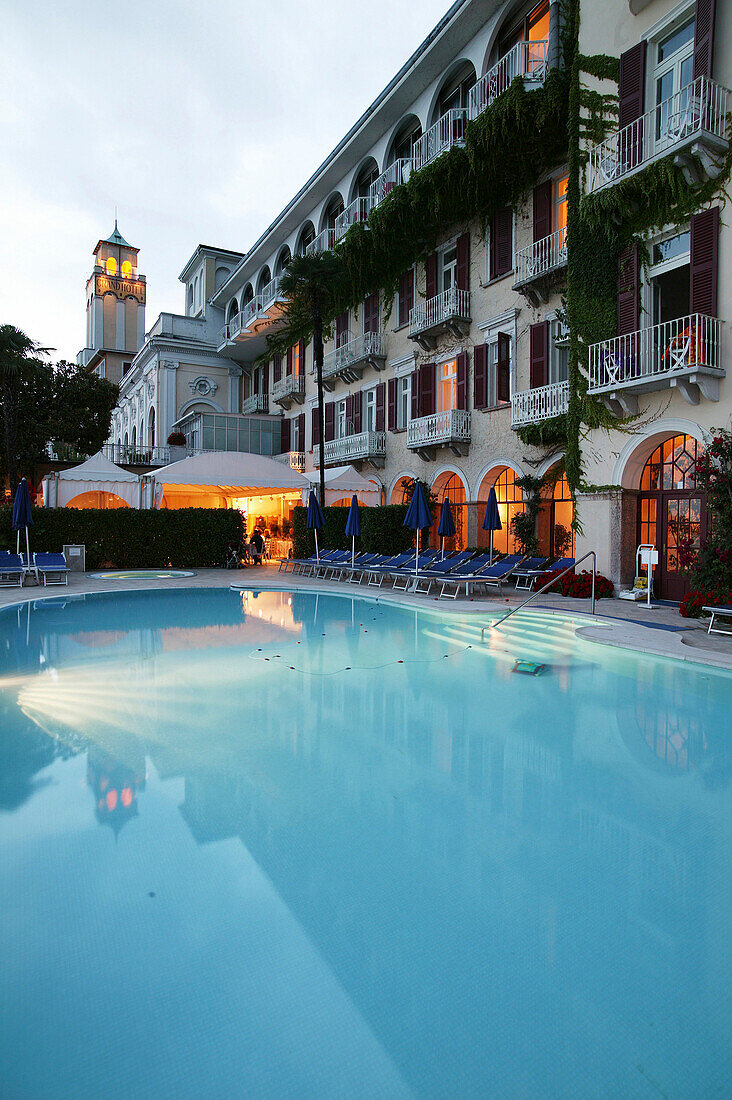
<point x="579" y="585"/>
<point x="128" y="538"/>
<point x="693" y="602"/>
<point x="176" y="439"/>
<point x="382" y="531"/>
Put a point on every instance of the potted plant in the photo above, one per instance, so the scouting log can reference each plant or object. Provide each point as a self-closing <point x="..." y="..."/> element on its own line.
<point x="177" y="445"/>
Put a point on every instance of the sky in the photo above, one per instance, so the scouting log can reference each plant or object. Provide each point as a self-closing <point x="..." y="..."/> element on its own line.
<point x="198" y="122"/>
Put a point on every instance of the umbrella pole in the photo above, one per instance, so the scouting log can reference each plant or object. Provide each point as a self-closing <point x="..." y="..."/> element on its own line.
<point x="490" y="562"/>
<point x="27" y="549"/>
<point x="317" y="554"/>
<point x="442" y="555"/>
<point x="416" y="560"/>
<point x="353" y="551"/>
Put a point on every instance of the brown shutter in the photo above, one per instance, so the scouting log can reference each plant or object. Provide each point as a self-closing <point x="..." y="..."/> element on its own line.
<point x="265" y="378"/>
<point x="301" y="431"/>
<point x="315" y="424"/>
<point x="462" y="272"/>
<point x="289" y="361"/>
<point x="628" y="291"/>
<point x="341" y="328"/>
<point x="503" y="368"/>
<point x="406" y="296"/>
<point x="631" y="86"/>
<point x="415" y="394"/>
<point x="371" y="313"/>
<point x="704" y="249"/>
<point x="329" y="421"/>
<point x="349" y="414"/>
<point x="480" y="376"/>
<point x="380" y="399"/>
<point x="301" y="349"/>
<point x="426" y="389"/>
<point x="276" y="368"/>
<point x="357" y="406"/>
<point x="284" y="436"/>
<point x="501" y="252"/>
<point x="704" y="37"/>
<point x="542" y="210"/>
<point x="538" y="351"/>
<point x="461" y="396"/>
<point x="391" y="402"/>
<point x="431" y="275"/>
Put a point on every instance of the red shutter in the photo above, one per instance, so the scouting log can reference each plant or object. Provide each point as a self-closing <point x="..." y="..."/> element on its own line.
<point x="277" y="368"/>
<point x="406" y="296"/>
<point x="380" y="399"/>
<point x="431" y="274"/>
<point x="357" y="405"/>
<point x="480" y="376"/>
<point x="503" y="368"/>
<point x="289" y="361"/>
<point x="501" y="242"/>
<point x="284" y="436"/>
<point x="462" y="381"/>
<point x="301" y="431"/>
<point x="426" y="389"/>
<point x="542" y="210"/>
<point x="315" y="424"/>
<point x="301" y="349"/>
<point x="415" y="395"/>
<point x="704" y="37"/>
<point x="329" y="421"/>
<point x="391" y="402"/>
<point x="628" y="291"/>
<point x="349" y="414"/>
<point x="371" y="313"/>
<point x="704" y="247"/>
<point x="631" y="94"/>
<point x="462" y="273"/>
<point x="538" y="351"/>
<point x="265" y="378"/>
<point x="341" y="328"/>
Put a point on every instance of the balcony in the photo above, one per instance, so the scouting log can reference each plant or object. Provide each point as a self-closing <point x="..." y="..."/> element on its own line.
<point x="537" y="264"/>
<point x="324" y="242"/>
<point x="351" y="359"/>
<point x="257" y="403"/>
<point x="446" y="312"/>
<point x="525" y="59"/>
<point x="237" y="329"/>
<point x="366" y="446"/>
<point x="684" y="354"/>
<point x="396" y="173"/>
<point x="136" y="456"/>
<point x="542" y="403"/>
<point x="294" y="459"/>
<point x="289" y="390"/>
<point x="443" y="429"/>
<point x="690" y="125"/>
<point x="446" y="133"/>
<point x="358" y="211"/>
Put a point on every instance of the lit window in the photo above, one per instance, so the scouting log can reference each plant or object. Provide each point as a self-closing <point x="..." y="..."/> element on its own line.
<point x="560" y="203"/>
<point x="111" y="266"/>
<point x="126" y="269"/>
<point x="447" y="388"/>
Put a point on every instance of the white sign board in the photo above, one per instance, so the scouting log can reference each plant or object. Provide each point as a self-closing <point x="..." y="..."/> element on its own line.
<point x="649" y="557"/>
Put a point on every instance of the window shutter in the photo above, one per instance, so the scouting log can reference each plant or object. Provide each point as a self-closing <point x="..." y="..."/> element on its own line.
<point x="265" y="378"/>
<point x="704" y="248"/>
<point x="431" y="274"/>
<point x="371" y="313"/>
<point x="341" y="328"/>
<point x="357" y="406"/>
<point x="277" y="368"/>
<point x="426" y="389"/>
<point x="289" y="361"/>
<point x="380" y="398"/>
<point x="329" y="421"/>
<point x="462" y="381"/>
<point x="503" y="368"/>
<point x="284" y="436"/>
<point x="301" y="349"/>
<point x="406" y="296"/>
<point x="501" y="252"/>
<point x="631" y="85"/>
<point x="704" y="37"/>
<point x="315" y="424"/>
<point x="349" y="414"/>
<point x="628" y="291"/>
<point x="301" y="431"/>
<point x="391" y="401"/>
<point x="480" y="376"/>
<point x="539" y="349"/>
<point x="542" y="210"/>
<point x="462" y="273"/>
<point x="415" y="395"/>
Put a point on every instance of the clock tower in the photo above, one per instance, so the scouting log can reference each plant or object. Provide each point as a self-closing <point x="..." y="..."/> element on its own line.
<point x="115" y="309"/>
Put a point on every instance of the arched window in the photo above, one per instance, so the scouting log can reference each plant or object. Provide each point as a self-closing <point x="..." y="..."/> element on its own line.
<point x="126" y="269"/>
<point x="556" y="534"/>
<point x="307" y="235"/>
<point x="333" y="208"/>
<point x="265" y="276"/>
<point x="111" y="266"/>
<point x="151" y="429"/>
<point x="282" y="261"/>
<point x="510" y="499"/>
<point x="232" y="310"/>
<point x="455" y="90"/>
<point x="367" y="173"/>
<point x="449" y="486"/>
<point x="407" y="132"/>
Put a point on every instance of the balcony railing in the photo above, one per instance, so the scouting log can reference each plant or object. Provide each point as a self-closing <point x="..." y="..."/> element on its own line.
<point x="288" y="389"/>
<point x="357" y="211"/>
<point x="526" y="59"/>
<point x="452" y="304"/>
<point x="696" y="112"/>
<point x="271" y="293"/>
<point x="542" y="403"/>
<point x="354" y="354"/>
<point x="323" y="243"/>
<point x="396" y="173"/>
<point x="439" y="429"/>
<point x="541" y="257"/>
<point x="368" y="445"/>
<point x="257" y="403"/>
<point x="294" y="459"/>
<point x="653" y="358"/>
<point x="447" y="132"/>
<point x="136" y="456"/>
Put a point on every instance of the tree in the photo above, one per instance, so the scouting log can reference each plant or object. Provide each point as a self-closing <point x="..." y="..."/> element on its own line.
<point x="83" y="407"/>
<point x="19" y="361"/>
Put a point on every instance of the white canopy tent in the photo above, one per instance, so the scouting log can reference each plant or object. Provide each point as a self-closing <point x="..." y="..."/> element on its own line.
<point x="344" y="481"/>
<point x="223" y="474"/>
<point x="97" y="475"/>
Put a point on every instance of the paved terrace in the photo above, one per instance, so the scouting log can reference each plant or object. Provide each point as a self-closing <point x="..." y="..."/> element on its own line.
<point x="660" y="631"/>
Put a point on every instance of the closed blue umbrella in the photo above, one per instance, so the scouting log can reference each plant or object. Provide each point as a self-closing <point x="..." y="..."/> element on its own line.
<point x="315" y="519"/>
<point x="447" y="524"/>
<point x="418" y="516"/>
<point x="22" y="515"/>
<point x="353" y="526"/>
<point x="492" y="521"/>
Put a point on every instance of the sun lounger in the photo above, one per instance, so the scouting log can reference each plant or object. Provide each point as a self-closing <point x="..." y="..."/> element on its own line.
<point x="402" y="578"/>
<point x="12" y="570"/>
<point x="52" y="568"/>
<point x="340" y="568"/>
<point x="377" y="574"/>
<point x="490" y="576"/>
<point x="355" y="574"/>
<point x="528" y="571"/>
<point x="440" y="568"/>
<point x="720" y="612"/>
<point x="322" y="567"/>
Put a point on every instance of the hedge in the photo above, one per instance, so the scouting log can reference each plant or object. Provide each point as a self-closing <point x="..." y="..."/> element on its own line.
<point x="131" y="538"/>
<point x="382" y="531"/>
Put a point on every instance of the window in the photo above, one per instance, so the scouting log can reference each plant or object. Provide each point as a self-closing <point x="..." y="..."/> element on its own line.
<point x="532" y="28"/>
<point x="403" y="401"/>
<point x="447" y="386"/>
<point x="510" y="499"/>
<point x="340" y="420"/>
<point x="449" y="268"/>
<point x="296" y="444"/>
<point x="674" y="71"/>
<point x="297" y="366"/>
<point x="560" y="204"/>
<point x="126" y="269"/>
<point x="369" y="399"/>
<point x="558" y="352"/>
<point x="669" y="278"/>
<point x="494" y="395"/>
<point x="111" y="266"/>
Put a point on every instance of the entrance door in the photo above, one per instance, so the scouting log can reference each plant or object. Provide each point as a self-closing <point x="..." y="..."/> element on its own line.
<point x="683" y="521"/>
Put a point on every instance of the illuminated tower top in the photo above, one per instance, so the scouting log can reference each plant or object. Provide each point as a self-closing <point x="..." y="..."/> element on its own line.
<point x="115" y="308"/>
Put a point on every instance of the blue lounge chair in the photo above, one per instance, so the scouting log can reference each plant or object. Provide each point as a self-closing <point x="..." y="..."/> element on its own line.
<point x="379" y="573"/>
<point x="12" y="570"/>
<point x="355" y="574"/>
<point x="341" y="568"/>
<point x="52" y="568"/>
<point x="528" y="571"/>
<point x="402" y="578"/>
<point x="469" y="568"/>
<point x="440" y="568"/>
<point x="490" y="576"/>
<point x="321" y="567"/>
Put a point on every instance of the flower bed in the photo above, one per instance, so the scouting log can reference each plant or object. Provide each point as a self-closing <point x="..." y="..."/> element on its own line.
<point x="579" y="585"/>
<point x="693" y="602"/>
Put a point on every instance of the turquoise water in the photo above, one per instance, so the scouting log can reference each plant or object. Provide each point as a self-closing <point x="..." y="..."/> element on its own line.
<point x="280" y="845"/>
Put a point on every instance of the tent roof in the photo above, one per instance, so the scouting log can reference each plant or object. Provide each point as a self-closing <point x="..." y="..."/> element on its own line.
<point x="237" y="472"/>
<point x="346" y="478"/>
<point x="97" y="468"/>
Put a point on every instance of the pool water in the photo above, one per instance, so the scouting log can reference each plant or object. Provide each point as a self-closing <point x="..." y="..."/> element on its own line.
<point x="285" y="845"/>
<point x="140" y="574"/>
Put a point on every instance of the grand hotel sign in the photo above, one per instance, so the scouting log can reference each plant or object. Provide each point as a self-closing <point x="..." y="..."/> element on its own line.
<point x="120" y="287"/>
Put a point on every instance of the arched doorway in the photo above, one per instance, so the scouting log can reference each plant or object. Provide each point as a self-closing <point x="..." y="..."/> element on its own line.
<point x="671" y="511"/>
<point x="449" y="486"/>
<point x="510" y="499"/>
<point x="556" y="534"/>
<point x="151" y="429"/>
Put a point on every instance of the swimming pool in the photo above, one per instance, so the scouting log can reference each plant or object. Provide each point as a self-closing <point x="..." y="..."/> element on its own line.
<point x="279" y="844"/>
<point x="140" y="574"/>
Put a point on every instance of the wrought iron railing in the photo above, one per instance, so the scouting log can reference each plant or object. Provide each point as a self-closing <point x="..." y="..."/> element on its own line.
<point x="350" y="447"/>
<point x="448" y="305"/>
<point x="136" y="456"/>
<point x="452" y="425"/>
<point x="324" y="242"/>
<point x="526" y="59"/>
<point x="357" y="211"/>
<point x="541" y="257"/>
<point x="398" y="172"/>
<point x="270" y="293"/>
<point x="542" y="403"/>
<point x="447" y="132"/>
<point x="352" y="352"/>
<point x="257" y="403"/>
<point x="292" y="385"/>
<point x="657" y="352"/>
<point x="294" y="459"/>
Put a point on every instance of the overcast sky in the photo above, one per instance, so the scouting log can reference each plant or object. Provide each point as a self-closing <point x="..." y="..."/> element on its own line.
<point x="199" y="122"/>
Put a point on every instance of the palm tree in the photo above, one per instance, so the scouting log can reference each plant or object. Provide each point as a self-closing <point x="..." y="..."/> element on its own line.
<point x="18" y="355"/>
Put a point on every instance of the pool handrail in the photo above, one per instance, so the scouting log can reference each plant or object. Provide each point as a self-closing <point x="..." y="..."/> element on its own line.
<point x="538" y="592"/>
